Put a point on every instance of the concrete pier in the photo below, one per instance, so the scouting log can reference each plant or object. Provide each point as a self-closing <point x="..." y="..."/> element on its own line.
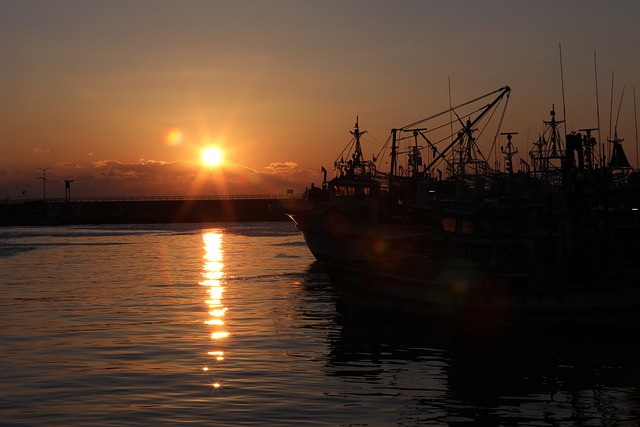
<point x="140" y="210"/>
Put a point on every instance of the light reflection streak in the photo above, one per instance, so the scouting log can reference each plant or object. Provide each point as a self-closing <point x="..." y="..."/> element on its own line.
<point x="219" y="335"/>
<point x="218" y="354"/>
<point x="218" y="312"/>
<point x="213" y="280"/>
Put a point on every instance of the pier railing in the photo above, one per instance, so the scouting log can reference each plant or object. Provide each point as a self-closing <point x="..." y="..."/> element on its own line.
<point x="152" y="198"/>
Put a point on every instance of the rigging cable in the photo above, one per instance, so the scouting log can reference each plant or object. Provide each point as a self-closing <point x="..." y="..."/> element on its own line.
<point x="495" y="138"/>
<point x="411" y="125"/>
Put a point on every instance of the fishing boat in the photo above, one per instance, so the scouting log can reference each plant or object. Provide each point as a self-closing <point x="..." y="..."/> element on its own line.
<point x="445" y="233"/>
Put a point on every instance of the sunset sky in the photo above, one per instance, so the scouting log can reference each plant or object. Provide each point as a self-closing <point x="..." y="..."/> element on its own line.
<point x="122" y="96"/>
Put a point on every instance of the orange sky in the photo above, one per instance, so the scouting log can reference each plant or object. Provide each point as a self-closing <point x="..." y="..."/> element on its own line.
<point x="91" y="90"/>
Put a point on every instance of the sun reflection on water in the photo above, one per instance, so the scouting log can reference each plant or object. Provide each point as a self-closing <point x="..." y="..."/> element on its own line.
<point x="213" y="280"/>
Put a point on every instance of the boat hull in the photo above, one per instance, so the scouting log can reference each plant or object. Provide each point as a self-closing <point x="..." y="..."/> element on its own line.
<point x="557" y="242"/>
<point x="604" y="303"/>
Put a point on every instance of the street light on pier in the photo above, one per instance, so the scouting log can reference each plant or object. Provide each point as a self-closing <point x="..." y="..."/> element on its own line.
<point x="67" y="190"/>
<point x="44" y="183"/>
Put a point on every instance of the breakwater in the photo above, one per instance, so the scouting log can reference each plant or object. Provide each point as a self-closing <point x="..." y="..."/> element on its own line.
<point x="140" y="210"/>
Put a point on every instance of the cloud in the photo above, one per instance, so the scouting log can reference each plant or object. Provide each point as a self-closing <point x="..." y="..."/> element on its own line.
<point x="40" y="150"/>
<point x="279" y="167"/>
<point x="290" y="171"/>
<point x="68" y="165"/>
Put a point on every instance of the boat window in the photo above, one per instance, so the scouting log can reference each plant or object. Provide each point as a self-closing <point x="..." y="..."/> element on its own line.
<point x="449" y="225"/>
<point x="505" y="226"/>
<point x="481" y="253"/>
<point x="459" y="250"/>
<point x="467" y="227"/>
<point x="350" y="191"/>
<point x="362" y="191"/>
<point x="343" y="191"/>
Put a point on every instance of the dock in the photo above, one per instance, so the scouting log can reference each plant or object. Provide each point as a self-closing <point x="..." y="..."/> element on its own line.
<point x="140" y="210"/>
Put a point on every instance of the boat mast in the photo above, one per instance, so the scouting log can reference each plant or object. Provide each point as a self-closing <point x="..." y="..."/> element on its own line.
<point x="356" y="165"/>
<point x="509" y="151"/>
<point x="358" y="158"/>
<point x="554" y="136"/>
<point x="394" y="152"/>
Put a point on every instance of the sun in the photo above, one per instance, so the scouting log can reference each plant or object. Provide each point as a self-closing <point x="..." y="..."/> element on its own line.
<point x="211" y="156"/>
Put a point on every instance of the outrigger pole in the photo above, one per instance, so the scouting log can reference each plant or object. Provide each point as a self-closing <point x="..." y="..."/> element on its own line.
<point x="503" y="91"/>
<point x="564" y="109"/>
<point x="595" y="70"/>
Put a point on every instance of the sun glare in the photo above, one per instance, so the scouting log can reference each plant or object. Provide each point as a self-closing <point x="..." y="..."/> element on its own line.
<point x="211" y="156"/>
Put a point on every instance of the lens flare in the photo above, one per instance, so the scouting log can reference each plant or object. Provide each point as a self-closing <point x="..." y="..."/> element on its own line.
<point x="173" y="137"/>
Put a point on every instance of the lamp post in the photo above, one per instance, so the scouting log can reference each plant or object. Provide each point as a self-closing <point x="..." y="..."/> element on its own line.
<point x="67" y="190"/>
<point x="44" y="183"/>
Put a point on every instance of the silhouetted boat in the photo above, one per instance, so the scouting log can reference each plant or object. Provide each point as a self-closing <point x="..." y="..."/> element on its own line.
<point x="444" y="233"/>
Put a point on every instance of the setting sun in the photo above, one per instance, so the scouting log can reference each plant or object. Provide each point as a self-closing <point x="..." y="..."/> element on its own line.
<point x="211" y="156"/>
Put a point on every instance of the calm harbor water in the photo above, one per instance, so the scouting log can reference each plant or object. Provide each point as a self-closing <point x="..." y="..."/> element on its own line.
<point x="234" y="324"/>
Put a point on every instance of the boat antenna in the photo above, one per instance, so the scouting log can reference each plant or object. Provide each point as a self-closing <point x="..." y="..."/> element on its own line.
<point x="450" y="110"/>
<point x="635" y="115"/>
<point x="564" y="110"/>
<point x="615" y="129"/>
<point x="611" y="103"/>
<point x="611" y="107"/>
<point x="595" y="71"/>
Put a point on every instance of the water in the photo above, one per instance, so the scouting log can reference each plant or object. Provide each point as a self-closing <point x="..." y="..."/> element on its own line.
<point x="234" y="324"/>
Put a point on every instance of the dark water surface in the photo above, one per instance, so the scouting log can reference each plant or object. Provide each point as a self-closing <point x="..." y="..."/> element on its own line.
<point x="234" y="324"/>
